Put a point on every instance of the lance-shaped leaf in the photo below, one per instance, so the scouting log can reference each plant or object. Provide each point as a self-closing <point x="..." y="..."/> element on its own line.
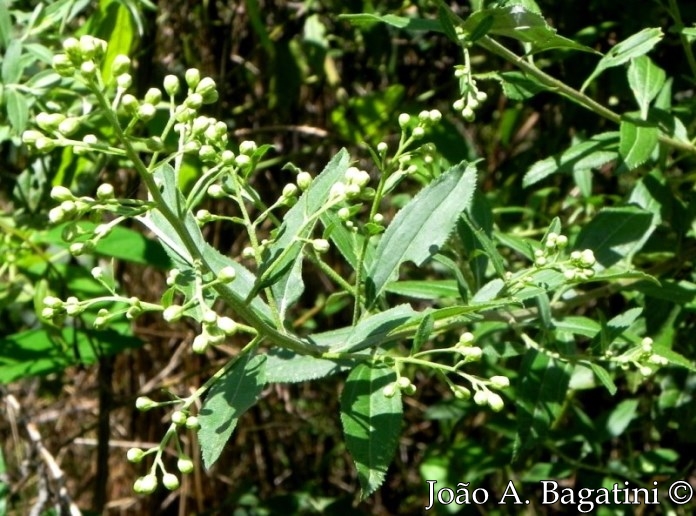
<point x="636" y="45"/>
<point x="592" y="153"/>
<point x="371" y="423"/>
<point x="422" y="226"/>
<point x="235" y="392"/>
<point x="281" y="266"/>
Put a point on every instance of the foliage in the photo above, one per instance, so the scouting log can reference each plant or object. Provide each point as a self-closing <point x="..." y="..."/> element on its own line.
<point x="511" y="304"/>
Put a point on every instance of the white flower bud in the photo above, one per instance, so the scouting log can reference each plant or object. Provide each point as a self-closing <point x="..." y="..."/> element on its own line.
<point x="200" y="343"/>
<point x="171" y="85"/>
<point x="61" y="193"/>
<point x="146" y="484"/>
<point x="290" y="190"/>
<point x="481" y="398"/>
<point x="495" y="402"/>
<point x="192" y="423"/>
<point x="143" y="403"/>
<point x="418" y="132"/>
<point x="193" y="77"/>
<point x="120" y="65"/>
<point x="304" y="180"/>
<point x="389" y="390"/>
<point x="105" y="191"/>
<point x="146" y="111"/>
<point x="404" y="119"/>
<point x="500" y="382"/>
<point x="178" y="417"/>
<point x="184" y="464"/>
<point x="227" y="325"/>
<point x="124" y="81"/>
<point x="153" y="96"/>
<point x="88" y="68"/>
<point x="321" y="245"/>
<point x="173" y="313"/>
<point x="170" y="481"/>
<point x="382" y="147"/>
<point x="135" y="455"/>
<point x="227" y="274"/>
<point x="242" y="160"/>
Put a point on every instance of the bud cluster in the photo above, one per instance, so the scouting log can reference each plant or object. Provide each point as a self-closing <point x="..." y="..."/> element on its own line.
<point x="402" y="384"/>
<point x="471" y="97"/>
<point x="642" y="357"/>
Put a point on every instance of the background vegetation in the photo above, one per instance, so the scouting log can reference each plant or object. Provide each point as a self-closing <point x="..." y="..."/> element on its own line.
<point x="298" y="76"/>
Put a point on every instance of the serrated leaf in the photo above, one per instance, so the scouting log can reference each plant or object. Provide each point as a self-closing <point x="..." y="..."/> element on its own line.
<point x="425" y="328"/>
<point x="235" y="392"/>
<point x="422" y="226"/>
<point x="486" y="243"/>
<point x="616" y="234"/>
<point x="543" y="384"/>
<point x="281" y="268"/>
<point x="636" y="45"/>
<point x="520" y="23"/>
<point x="593" y="153"/>
<point x="286" y="366"/>
<point x="646" y="80"/>
<point x="519" y="86"/>
<point x="636" y="143"/>
<point x="371" y="423"/>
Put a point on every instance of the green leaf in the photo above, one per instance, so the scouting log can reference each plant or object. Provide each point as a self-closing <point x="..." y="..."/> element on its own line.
<point x="593" y="153"/>
<point x="621" y="417"/>
<point x="374" y="330"/>
<point x="616" y="234"/>
<point x="235" y="392"/>
<point x="17" y="110"/>
<point x="518" y="85"/>
<point x="285" y="366"/>
<point x="543" y="384"/>
<point x="673" y="357"/>
<point x="118" y="29"/>
<point x="487" y="245"/>
<point x="5" y="25"/>
<point x="636" y="45"/>
<point x="40" y="352"/>
<point x="646" y="80"/>
<point x="422" y="226"/>
<point x="519" y="23"/>
<point x="371" y="423"/>
<point x="12" y="66"/>
<point x="346" y="241"/>
<point x="401" y="22"/>
<point x="603" y="376"/>
<point x="637" y="143"/>
<point x="425" y="328"/>
<point x="424" y="289"/>
<point x="281" y="267"/>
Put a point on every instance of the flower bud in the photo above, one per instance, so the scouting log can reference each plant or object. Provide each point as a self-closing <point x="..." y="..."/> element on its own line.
<point x="227" y="157"/>
<point x="468" y="114"/>
<point x="30" y="136"/>
<point x="215" y="191"/>
<point x="389" y="390"/>
<point x="227" y="274"/>
<point x="105" y="191"/>
<point x="290" y="190"/>
<point x="178" y="417"/>
<point x="495" y="402"/>
<point x="129" y="103"/>
<point x="143" y="403"/>
<point x="61" y="193"/>
<point x="146" y="111"/>
<point x="404" y="119"/>
<point x="242" y="160"/>
<point x="52" y="301"/>
<point x="120" y="65"/>
<point x="88" y="68"/>
<point x="466" y="338"/>
<point x="207" y="153"/>
<point x="170" y="481"/>
<point x="587" y="258"/>
<point x="304" y="180"/>
<point x="227" y="325"/>
<point x="62" y="65"/>
<point x="320" y="245"/>
<point x="49" y="121"/>
<point x="184" y="464"/>
<point x="200" y="343"/>
<point x="403" y="382"/>
<point x="146" y="484"/>
<point x="418" y="132"/>
<point x="481" y="96"/>
<point x="193" y="101"/>
<point x="481" y="398"/>
<point x="72" y="49"/>
<point x="171" y="85"/>
<point x="192" y="423"/>
<point x="247" y="147"/>
<point x="435" y="116"/>
<point x="135" y="455"/>
<point x="153" y="96"/>
<point x="500" y="382"/>
<point x="173" y="313"/>
<point x="193" y="77"/>
<point x="461" y="393"/>
<point x="124" y="81"/>
<point x="206" y="86"/>
<point x="344" y="213"/>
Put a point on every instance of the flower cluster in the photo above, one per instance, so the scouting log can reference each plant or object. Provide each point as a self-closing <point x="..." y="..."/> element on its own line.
<point x="643" y="357"/>
<point x="471" y="97"/>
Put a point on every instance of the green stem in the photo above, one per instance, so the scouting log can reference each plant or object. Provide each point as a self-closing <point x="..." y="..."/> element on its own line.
<point x="679" y="26"/>
<point x="239" y="305"/>
<point x="576" y="96"/>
